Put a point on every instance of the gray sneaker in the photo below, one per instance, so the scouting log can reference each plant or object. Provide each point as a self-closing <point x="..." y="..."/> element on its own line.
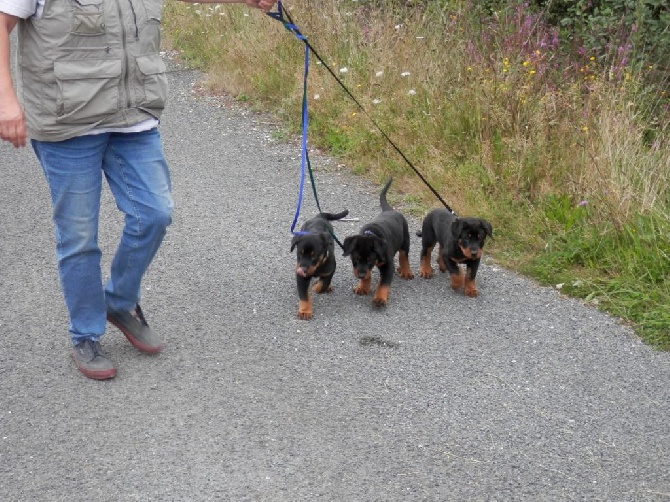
<point x="137" y="331"/>
<point x="92" y="361"/>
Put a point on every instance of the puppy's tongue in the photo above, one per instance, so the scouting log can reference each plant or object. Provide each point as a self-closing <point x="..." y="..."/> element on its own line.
<point x="300" y="272"/>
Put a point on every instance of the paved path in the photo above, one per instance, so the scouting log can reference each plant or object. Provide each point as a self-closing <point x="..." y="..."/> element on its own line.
<point x="520" y="394"/>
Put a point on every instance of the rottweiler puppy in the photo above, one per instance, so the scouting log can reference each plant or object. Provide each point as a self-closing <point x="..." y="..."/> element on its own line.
<point x="315" y="258"/>
<point x="461" y="240"/>
<point x="376" y="245"/>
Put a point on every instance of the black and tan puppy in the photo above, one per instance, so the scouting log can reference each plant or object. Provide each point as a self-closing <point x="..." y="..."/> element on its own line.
<point x="461" y="240"/>
<point x="376" y="246"/>
<point x="315" y="258"/>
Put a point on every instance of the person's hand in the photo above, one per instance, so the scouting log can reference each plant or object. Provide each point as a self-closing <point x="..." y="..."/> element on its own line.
<point x="12" y="122"/>
<point x="264" y="5"/>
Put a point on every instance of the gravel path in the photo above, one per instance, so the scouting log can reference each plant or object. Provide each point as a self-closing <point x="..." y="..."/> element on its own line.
<point x="520" y="394"/>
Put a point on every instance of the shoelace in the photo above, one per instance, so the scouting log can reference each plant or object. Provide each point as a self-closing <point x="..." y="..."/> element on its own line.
<point x="94" y="349"/>
<point x="137" y="314"/>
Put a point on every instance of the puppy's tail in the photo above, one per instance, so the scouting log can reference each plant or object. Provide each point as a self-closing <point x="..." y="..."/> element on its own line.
<point x="382" y="196"/>
<point x="335" y="216"/>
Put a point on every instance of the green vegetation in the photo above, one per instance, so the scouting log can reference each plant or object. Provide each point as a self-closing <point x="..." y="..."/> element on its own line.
<point x="548" y="122"/>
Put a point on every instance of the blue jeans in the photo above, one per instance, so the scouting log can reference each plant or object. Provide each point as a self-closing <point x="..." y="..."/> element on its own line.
<point x="138" y="177"/>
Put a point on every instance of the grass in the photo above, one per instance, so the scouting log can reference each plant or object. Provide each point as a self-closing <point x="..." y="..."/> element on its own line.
<point x="491" y="110"/>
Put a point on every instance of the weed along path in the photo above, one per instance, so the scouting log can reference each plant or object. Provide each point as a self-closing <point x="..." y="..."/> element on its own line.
<point x="519" y="394"/>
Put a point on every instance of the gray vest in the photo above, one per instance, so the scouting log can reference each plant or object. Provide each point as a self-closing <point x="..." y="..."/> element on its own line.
<point x="90" y="63"/>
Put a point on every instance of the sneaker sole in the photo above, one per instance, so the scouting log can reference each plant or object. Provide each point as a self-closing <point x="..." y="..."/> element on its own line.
<point x="134" y="341"/>
<point x="97" y="375"/>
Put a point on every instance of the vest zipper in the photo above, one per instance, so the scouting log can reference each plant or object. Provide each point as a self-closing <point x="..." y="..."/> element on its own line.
<point x="126" y="64"/>
<point x="137" y="29"/>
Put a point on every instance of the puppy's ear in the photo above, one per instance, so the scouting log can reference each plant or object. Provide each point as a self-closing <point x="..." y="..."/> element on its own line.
<point x="379" y="247"/>
<point x="294" y="242"/>
<point x="326" y="239"/>
<point x="456" y="227"/>
<point x="349" y="244"/>
<point x="487" y="228"/>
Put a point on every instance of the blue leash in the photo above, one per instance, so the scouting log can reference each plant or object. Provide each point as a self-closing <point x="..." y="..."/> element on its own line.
<point x="304" y="160"/>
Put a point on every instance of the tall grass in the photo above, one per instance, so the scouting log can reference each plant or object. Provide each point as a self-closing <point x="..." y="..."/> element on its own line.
<point x="565" y="153"/>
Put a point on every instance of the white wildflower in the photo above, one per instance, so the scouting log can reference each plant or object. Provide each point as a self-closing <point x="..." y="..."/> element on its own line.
<point x="344" y="70"/>
<point x="379" y="73"/>
<point x="411" y="92"/>
<point x="405" y="74"/>
<point x="376" y="101"/>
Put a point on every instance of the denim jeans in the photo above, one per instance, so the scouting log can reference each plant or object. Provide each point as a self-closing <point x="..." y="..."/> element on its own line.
<point x="138" y="177"/>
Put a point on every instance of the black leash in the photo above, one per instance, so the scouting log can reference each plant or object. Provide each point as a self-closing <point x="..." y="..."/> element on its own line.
<point x="290" y="26"/>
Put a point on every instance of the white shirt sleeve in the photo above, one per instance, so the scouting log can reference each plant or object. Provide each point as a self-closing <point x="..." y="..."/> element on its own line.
<point x="21" y="8"/>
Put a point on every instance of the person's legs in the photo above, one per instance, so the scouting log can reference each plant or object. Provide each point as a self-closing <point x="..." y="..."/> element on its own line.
<point x="140" y="181"/>
<point x="73" y="172"/>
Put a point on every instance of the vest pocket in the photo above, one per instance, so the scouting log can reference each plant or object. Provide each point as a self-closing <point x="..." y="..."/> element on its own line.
<point x="87" y="17"/>
<point x="88" y="90"/>
<point x="154" y="81"/>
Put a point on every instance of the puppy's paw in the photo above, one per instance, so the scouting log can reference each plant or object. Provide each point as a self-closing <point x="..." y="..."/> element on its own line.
<point x="304" y="310"/>
<point x="318" y="288"/>
<point x="404" y="269"/>
<point x="425" y="269"/>
<point x="457" y="280"/>
<point x="441" y="265"/>
<point x="471" y="292"/>
<point x="363" y="287"/>
<point x="405" y="273"/>
<point x="381" y="296"/>
<point x="470" y="288"/>
<point x="361" y="290"/>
